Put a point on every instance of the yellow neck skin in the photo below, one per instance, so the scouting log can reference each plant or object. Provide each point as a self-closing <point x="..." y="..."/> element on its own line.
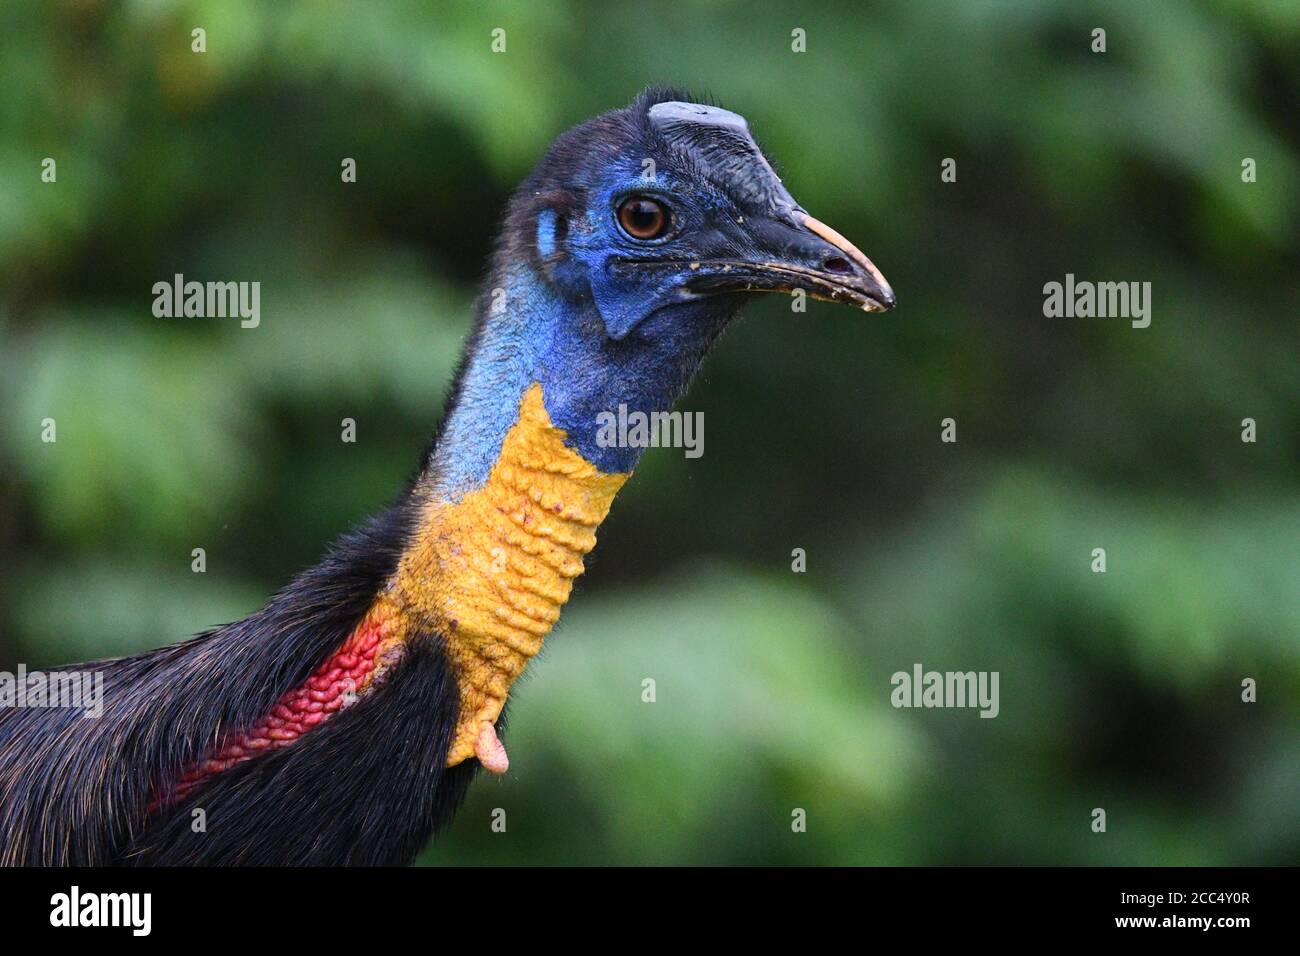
<point x="491" y="571"/>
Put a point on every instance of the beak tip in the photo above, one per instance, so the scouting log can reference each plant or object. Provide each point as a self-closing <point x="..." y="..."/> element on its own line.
<point x="881" y="298"/>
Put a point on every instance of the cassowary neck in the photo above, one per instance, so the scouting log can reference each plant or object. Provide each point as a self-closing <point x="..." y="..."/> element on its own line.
<point x="519" y="482"/>
<point x="529" y="334"/>
<point x="491" y="571"/>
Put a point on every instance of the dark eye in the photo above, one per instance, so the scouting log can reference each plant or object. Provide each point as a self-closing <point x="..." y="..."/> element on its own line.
<point x="643" y="218"/>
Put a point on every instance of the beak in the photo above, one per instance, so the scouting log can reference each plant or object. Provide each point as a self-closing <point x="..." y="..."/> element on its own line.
<point x="871" y="284"/>
<point x="803" y="253"/>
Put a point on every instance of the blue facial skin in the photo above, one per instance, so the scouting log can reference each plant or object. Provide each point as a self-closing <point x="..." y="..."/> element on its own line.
<point x="592" y="335"/>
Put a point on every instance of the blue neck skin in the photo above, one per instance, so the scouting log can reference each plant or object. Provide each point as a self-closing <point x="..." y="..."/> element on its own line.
<point x="559" y="341"/>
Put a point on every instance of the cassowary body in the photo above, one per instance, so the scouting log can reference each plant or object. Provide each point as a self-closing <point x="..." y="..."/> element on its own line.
<point x="343" y="722"/>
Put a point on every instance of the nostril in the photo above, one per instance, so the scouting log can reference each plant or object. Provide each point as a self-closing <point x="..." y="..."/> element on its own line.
<point x="837" y="264"/>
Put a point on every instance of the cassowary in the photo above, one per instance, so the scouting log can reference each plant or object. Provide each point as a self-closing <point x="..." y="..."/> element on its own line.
<point x="343" y="722"/>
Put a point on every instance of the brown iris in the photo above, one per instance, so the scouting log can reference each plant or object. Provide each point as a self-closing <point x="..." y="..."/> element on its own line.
<point x="643" y="218"/>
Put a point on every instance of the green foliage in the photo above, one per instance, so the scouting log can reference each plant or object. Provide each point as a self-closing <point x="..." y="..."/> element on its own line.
<point x="1119" y="690"/>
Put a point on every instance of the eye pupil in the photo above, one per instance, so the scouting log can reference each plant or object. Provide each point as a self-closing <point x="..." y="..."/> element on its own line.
<point x="643" y="218"/>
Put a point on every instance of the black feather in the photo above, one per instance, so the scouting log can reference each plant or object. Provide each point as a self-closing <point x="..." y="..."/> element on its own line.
<point x="366" y="788"/>
<point x="76" y="791"/>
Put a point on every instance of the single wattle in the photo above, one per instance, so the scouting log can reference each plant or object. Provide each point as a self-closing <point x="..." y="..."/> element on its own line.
<point x="335" y="685"/>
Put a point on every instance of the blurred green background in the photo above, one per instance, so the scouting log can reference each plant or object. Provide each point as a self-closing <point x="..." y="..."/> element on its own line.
<point x="1118" y="690"/>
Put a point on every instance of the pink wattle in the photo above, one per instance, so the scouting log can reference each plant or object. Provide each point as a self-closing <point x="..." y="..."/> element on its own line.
<point x="331" y="687"/>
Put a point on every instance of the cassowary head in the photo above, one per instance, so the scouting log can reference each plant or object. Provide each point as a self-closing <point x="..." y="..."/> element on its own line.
<point x="651" y="210"/>
<point x="626" y="252"/>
